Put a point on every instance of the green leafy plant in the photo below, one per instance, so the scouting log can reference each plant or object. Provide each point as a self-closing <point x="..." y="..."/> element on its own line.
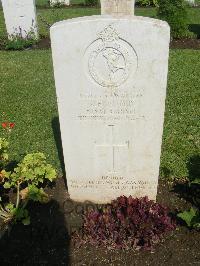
<point x="195" y="181"/>
<point x="175" y="13"/>
<point x="18" y="42"/>
<point x="33" y="170"/>
<point x="26" y="180"/>
<point x="191" y="218"/>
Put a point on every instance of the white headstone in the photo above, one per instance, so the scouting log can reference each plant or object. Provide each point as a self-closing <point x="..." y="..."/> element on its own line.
<point x="20" y="18"/>
<point x="111" y="77"/>
<point x="61" y="2"/>
<point x="117" y="7"/>
<point x="191" y="2"/>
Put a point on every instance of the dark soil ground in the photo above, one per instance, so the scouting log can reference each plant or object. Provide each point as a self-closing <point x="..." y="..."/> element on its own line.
<point x="47" y="240"/>
<point x="175" y="44"/>
<point x="185" y="44"/>
<point x="45" y="43"/>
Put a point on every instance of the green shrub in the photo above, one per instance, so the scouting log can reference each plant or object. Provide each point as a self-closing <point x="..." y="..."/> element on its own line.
<point x="175" y="13"/>
<point x="91" y="2"/>
<point x="19" y="44"/>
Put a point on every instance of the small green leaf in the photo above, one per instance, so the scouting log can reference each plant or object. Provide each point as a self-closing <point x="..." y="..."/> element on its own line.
<point x="188" y="216"/>
<point x="10" y="207"/>
<point x="7" y="185"/>
<point x="5" y="156"/>
<point x="26" y="221"/>
<point x="196" y="181"/>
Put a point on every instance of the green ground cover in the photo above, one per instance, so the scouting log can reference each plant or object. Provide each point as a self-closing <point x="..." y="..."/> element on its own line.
<point x="28" y="98"/>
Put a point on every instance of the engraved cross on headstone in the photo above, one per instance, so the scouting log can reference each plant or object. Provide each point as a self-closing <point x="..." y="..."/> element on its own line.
<point x="115" y="147"/>
<point x="117" y="7"/>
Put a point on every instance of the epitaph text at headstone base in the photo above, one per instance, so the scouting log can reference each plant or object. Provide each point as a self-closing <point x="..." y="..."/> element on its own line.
<point x="20" y="18"/>
<point x="117" y="7"/>
<point x="111" y="88"/>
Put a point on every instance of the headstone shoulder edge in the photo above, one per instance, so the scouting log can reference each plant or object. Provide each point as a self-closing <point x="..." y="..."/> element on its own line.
<point x="156" y="22"/>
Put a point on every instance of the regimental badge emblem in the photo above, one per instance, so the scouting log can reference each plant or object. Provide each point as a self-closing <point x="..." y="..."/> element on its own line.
<point x="110" y="59"/>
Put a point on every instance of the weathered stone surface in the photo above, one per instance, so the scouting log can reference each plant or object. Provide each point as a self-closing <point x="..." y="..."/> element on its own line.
<point x="62" y="2"/>
<point x="111" y="77"/>
<point x="20" y="18"/>
<point x="117" y="7"/>
<point x="191" y="2"/>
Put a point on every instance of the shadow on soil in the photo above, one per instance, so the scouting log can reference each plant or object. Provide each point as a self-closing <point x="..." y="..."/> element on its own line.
<point x="44" y="242"/>
<point x="57" y="136"/>
<point x="191" y="193"/>
<point x="195" y="28"/>
<point x="194" y="167"/>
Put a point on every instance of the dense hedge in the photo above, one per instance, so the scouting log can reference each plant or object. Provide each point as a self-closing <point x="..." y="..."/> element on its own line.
<point x="175" y="13"/>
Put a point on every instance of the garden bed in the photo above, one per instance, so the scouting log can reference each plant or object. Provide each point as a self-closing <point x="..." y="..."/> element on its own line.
<point x="47" y="240"/>
<point x="175" y="44"/>
<point x="185" y="44"/>
<point x="45" y="43"/>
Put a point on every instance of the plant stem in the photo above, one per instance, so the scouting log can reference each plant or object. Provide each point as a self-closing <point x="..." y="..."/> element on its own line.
<point x="25" y="203"/>
<point x="18" y="187"/>
<point x="1" y="208"/>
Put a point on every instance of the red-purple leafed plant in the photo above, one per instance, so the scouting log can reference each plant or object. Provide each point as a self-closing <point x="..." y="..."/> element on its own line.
<point x="127" y="223"/>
